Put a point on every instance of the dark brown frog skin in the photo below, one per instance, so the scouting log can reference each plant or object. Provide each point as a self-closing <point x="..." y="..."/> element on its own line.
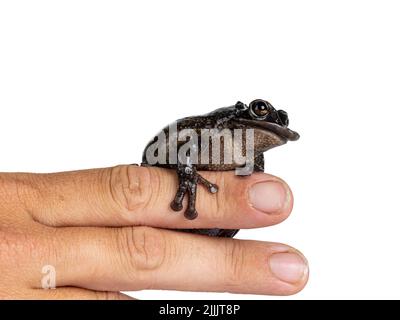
<point x="270" y="130"/>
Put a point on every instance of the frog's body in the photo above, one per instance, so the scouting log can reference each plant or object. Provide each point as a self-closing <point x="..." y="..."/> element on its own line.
<point x="269" y="129"/>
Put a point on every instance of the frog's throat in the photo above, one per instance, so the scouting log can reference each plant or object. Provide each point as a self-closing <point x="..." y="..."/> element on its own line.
<point x="281" y="131"/>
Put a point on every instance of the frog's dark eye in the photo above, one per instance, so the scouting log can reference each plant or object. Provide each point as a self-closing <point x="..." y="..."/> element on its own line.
<point x="260" y="109"/>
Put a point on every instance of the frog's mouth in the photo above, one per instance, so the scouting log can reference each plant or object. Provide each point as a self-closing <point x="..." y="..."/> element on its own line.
<point x="281" y="131"/>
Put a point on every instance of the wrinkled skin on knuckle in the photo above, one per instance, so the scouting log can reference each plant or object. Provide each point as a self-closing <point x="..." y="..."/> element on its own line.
<point x="130" y="188"/>
<point x="142" y="250"/>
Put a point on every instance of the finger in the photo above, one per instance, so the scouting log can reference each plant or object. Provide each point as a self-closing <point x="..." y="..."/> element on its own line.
<point x="75" y="294"/>
<point x="125" y="259"/>
<point x="131" y="195"/>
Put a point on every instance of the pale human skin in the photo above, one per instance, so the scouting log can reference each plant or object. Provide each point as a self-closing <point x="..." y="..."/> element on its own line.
<point x="102" y="230"/>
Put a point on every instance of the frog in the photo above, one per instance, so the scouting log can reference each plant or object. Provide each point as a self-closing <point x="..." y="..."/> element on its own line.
<point x="268" y="128"/>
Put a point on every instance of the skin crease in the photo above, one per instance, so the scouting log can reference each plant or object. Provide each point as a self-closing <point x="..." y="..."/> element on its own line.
<point x="61" y="219"/>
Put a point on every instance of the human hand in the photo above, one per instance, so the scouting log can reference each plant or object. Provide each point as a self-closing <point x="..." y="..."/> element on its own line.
<point x="103" y="232"/>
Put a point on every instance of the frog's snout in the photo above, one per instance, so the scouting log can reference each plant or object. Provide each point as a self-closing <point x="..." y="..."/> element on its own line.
<point x="293" y="135"/>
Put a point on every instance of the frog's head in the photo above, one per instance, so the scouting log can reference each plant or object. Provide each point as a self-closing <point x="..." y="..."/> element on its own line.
<point x="270" y="125"/>
<point x="261" y="115"/>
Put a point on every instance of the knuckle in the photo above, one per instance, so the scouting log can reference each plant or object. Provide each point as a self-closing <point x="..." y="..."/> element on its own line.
<point x="130" y="187"/>
<point x="143" y="248"/>
<point x="234" y="263"/>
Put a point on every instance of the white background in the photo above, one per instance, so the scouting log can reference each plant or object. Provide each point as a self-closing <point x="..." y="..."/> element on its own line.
<point x="87" y="83"/>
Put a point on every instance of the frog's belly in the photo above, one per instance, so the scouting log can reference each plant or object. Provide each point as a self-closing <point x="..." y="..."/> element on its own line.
<point x="200" y="167"/>
<point x="216" y="167"/>
<point x="223" y="158"/>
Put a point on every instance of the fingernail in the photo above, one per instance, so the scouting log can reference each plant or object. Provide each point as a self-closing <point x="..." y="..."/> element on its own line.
<point x="288" y="267"/>
<point x="268" y="196"/>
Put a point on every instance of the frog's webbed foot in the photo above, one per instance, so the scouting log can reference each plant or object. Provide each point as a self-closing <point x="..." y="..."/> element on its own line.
<point x="188" y="180"/>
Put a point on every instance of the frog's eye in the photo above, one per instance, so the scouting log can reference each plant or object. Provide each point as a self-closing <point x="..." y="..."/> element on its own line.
<point x="260" y="109"/>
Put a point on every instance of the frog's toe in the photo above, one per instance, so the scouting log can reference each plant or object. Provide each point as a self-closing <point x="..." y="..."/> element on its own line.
<point x="191" y="214"/>
<point x="176" y="206"/>
<point x="213" y="188"/>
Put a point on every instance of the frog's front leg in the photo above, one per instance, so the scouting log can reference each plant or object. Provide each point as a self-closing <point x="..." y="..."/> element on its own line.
<point x="191" y="212"/>
<point x="213" y="188"/>
<point x="176" y="204"/>
<point x="259" y="163"/>
<point x="184" y="176"/>
<point x="188" y="178"/>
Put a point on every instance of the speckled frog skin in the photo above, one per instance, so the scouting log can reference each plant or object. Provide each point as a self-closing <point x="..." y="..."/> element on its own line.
<point x="269" y="127"/>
